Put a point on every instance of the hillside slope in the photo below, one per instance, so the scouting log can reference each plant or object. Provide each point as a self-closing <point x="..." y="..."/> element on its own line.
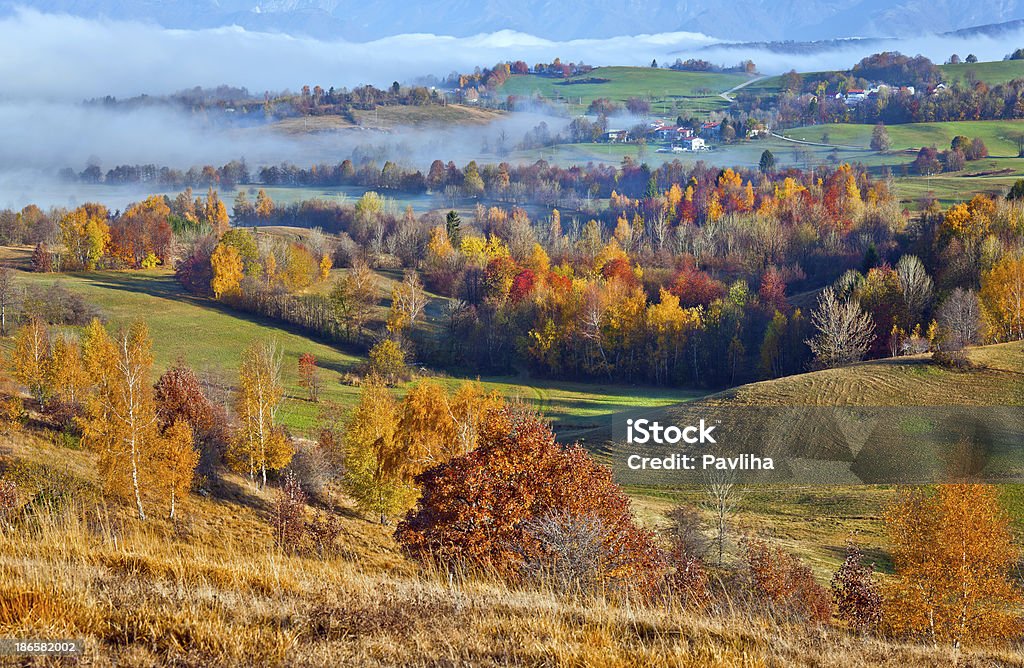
<point x="211" y="589"/>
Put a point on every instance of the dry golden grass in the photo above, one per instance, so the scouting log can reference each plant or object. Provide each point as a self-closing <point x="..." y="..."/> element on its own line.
<point x="213" y="590"/>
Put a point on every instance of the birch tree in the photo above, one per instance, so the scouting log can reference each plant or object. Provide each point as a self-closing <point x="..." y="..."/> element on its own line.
<point x="120" y="424"/>
<point x="259" y="444"/>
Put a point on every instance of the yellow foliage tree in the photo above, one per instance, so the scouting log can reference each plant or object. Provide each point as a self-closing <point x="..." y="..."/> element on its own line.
<point x="538" y="262"/>
<point x="1002" y="299"/>
<point x="228" y="271"/>
<point x="378" y="465"/>
<point x="954" y="556"/>
<point x="67" y="372"/>
<point x="325" y="267"/>
<point x="258" y="444"/>
<point x="264" y="205"/>
<point x="31" y="358"/>
<point x="215" y="213"/>
<point x="86" y="235"/>
<point x="175" y="462"/>
<point x="120" y="423"/>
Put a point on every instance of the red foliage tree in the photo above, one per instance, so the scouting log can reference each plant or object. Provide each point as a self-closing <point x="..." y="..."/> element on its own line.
<point x="773" y="291"/>
<point x="620" y="269"/>
<point x="780" y="582"/>
<point x="695" y="287"/>
<point x="480" y="507"/>
<point x="179" y="396"/>
<point x="522" y="285"/>
<point x="857" y="596"/>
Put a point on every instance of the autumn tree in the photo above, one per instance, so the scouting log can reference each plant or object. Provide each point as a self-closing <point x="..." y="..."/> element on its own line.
<point x="387" y="360"/>
<point x="180" y="399"/>
<point x="954" y="556"/>
<point x="436" y="425"/>
<point x="377" y="464"/>
<point x="120" y="423"/>
<point x="353" y="297"/>
<point x="783" y="584"/>
<point x="845" y="332"/>
<point x="228" y="271"/>
<point x="1002" y="299"/>
<point x="9" y="294"/>
<point x="215" y="213"/>
<point x="264" y="205"/>
<point x="31" y="358"/>
<point x="258" y="444"/>
<point x="855" y="593"/>
<point x="483" y="507"/>
<point x="86" y="234"/>
<point x="175" y="461"/>
<point x="309" y="378"/>
<point x="67" y="374"/>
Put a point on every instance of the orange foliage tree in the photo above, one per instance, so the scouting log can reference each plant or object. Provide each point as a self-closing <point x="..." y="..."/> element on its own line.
<point x="480" y="507"/>
<point x="954" y="553"/>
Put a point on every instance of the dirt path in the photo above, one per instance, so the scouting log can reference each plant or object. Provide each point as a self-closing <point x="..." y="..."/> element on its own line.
<point x="725" y="95"/>
<point x="818" y="143"/>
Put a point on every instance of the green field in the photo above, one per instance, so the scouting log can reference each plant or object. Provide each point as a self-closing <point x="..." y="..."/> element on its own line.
<point x="992" y="175"/>
<point x="997" y="135"/>
<point x="671" y="93"/>
<point x="211" y="338"/>
<point x="992" y="73"/>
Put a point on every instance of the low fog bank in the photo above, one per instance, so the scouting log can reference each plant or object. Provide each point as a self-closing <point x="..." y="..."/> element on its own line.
<point x="840" y="55"/>
<point x="40" y="138"/>
<point x="50" y="63"/>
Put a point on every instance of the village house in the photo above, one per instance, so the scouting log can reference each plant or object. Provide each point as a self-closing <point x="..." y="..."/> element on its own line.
<point x="672" y="133"/>
<point x="694" y="144"/>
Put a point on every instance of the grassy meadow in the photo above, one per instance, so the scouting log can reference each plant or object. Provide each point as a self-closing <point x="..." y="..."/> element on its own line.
<point x="997" y="135"/>
<point x="670" y="92"/>
<point x="211" y="337"/>
<point x="211" y="588"/>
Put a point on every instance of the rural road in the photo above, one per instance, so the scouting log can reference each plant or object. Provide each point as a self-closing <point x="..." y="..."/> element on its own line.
<point x="818" y="143"/>
<point x="725" y="95"/>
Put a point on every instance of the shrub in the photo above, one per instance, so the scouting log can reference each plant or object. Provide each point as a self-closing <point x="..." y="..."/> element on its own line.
<point x="289" y="515"/>
<point x="12" y="414"/>
<point x="322" y="534"/>
<point x="687" y="580"/>
<point x="387" y="360"/>
<point x="9" y="505"/>
<point x="956" y="360"/>
<point x="484" y="507"/>
<point x="858" y="598"/>
<point x="784" y="585"/>
<point x="572" y="552"/>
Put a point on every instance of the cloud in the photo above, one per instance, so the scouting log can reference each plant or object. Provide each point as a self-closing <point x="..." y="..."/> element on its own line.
<point x="63" y="57"/>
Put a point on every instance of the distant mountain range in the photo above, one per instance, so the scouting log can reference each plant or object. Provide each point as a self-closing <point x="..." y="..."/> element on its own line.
<point x="741" y="20"/>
